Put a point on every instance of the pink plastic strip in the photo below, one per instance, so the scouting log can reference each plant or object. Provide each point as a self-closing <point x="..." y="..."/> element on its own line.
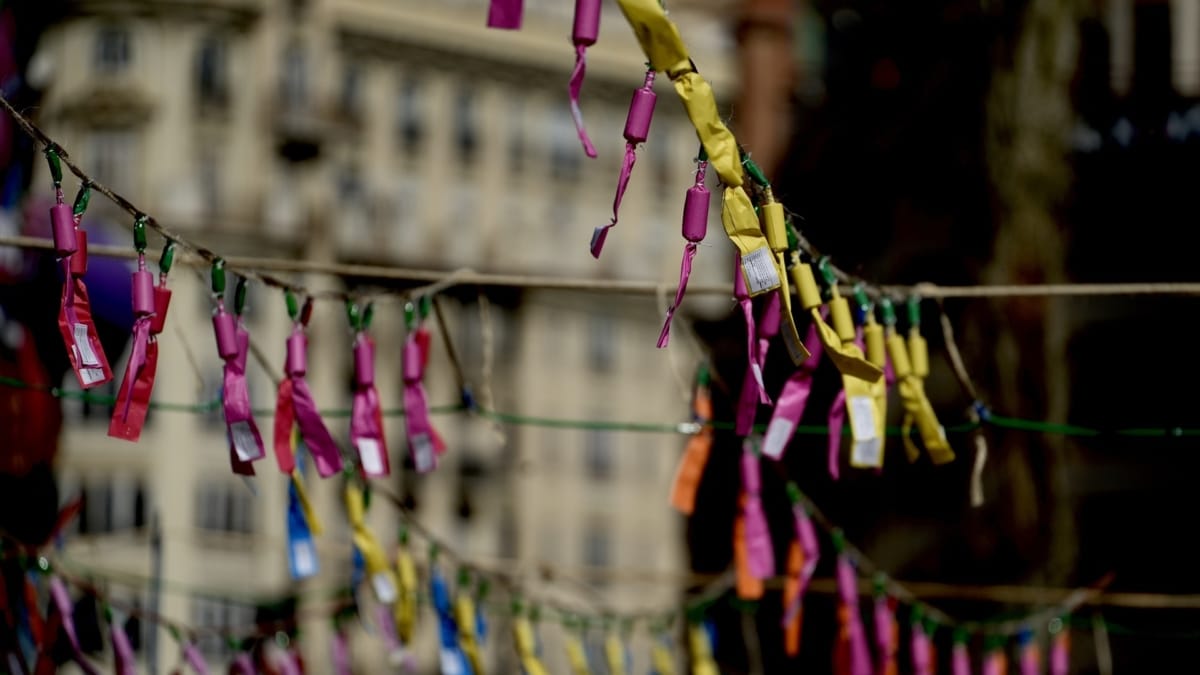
<point x="960" y="660"/>
<point x="685" y="271"/>
<point x="573" y="88"/>
<point x="600" y="235"/>
<point x="505" y="14"/>
<point x="860" y="655"/>
<point x="758" y="534"/>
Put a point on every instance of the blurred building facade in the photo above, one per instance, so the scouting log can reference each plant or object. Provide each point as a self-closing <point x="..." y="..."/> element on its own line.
<point x="390" y="132"/>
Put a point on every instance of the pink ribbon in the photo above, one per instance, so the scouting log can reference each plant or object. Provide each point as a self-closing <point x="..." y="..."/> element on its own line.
<point x="960" y="660"/>
<point x="418" y="428"/>
<point x="637" y="128"/>
<point x="994" y="662"/>
<point x="807" y="535"/>
<point x="340" y="653"/>
<point x="124" y="662"/>
<point x="837" y="420"/>
<point x="387" y="627"/>
<point x="758" y="534"/>
<point x="289" y="663"/>
<point x="695" y="226"/>
<point x="296" y="398"/>
<point x="922" y="657"/>
<point x="505" y="14"/>
<point x="685" y="271"/>
<point x="245" y="441"/>
<point x="79" y="331"/>
<point x="137" y="361"/>
<point x="885" y="617"/>
<point x="743" y="299"/>
<point x="1030" y="661"/>
<point x="573" y="88"/>
<point x="790" y="404"/>
<point x="366" y="419"/>
<point x="195" y="659"/>
<point x="751" y="394"/>
<point x="66" y="610"/>
<point x="860" y="655"/>
<point x="1060" y="653"/>
<point x="242" y="664"/>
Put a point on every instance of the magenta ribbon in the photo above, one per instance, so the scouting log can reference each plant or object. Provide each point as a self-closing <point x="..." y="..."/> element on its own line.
<point x="600" y="235"/>
<point x="366" y="419"/>
<point x="1030" y="663"/>
<point x="758" y="534"/>
<point x="387" y="628"/>
<point x="417" y="427"/>
<point x="637" y="128"/>
<point x="245" y="441"/>
<point x="243" y="664"/>
<point x="340" y="652"/>
<point x="743" y="299"/>
<point x="960" y="660"/>
<point x="505" y="14"/>
<point x="790" y="404"/>
<point x="860" y="655"/>
<point x="685" y="271"/>
<point x="1060" y="653"/>
<point x="137" y="361"/>
<point x="290" y="663"/>
<point x="62" y="601"/>
<point x="807" y="537"/>
<point x="196" y="660"/>
<point x="922" y="656"/>
<point x="993" y="662"/>
<point x="124" y="662"/>
<point x="751" y="394"/>
<point x="316" y="436"/>
<point x="837" y="420"/>
<point x="573" y="88"/>
<point x="695" y="226"/>
<point x="884" y="617"/>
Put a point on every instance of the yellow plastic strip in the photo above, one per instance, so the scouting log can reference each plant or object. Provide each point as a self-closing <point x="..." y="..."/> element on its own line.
<point x="405" y="610"/>
<point x="383" y="580"/>
<point x="464" y="616"/>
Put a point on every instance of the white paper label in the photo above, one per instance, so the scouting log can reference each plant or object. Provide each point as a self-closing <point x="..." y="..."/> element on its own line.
<point x="385" y="590"/>
<point x="90" y="375"/>
<point x="779" y="431"/>
<point x="370" y="454"/>
<point x="423" y="455"/>
<point x="244" y="444"/>
<point x="304" y="559"/>
<point x="867" y="449"/>
<point x="758" y="376"/>
<point x="450" y="663"/>
<point x="86" y="356"/>
<point x="759" y="268"/>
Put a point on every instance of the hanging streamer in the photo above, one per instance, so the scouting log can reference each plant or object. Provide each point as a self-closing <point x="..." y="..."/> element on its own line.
<point x="295" y="403"/>
<point x="301" y="526"/>
<point x="526" y="645"/>
<point x="695" y="456"/>
<point x="701" y="648"/>
<point x="869" y="454"/>
<point x="75" y="322"/>
<point x="887" y="632"/>
<point x="576" y="656"/>
<point x="695" y="227"/>
<point x="854" y="638"/>
<point x="766" y="328"/>
<point x="150" y="304"/>
<point x="505" y="14"/>
<point x="637" y="129"/>
<point x="584" y="34"/>
<point x="911" y="362"/>
<point x="191" y="654"/>
<point x="233" y="346"/>
<point x="806" y="535"/>
<point x="848" y="363"/>
<point x="340" y="652"/>
<point x="758" y="534"/>
<point x="960" y="655"/>
<point x="405" y="609"/>
<point x="921" y="649"/>
<point x="124" y="661"/>
<point x="1031" y="658"/>
<point x="616" y="654"/>
<point x="753" y="367"/>
<point x="466" y="618"/>
<point x="749" y="586"/>
<point x="366" y="418"/>
<point x="661" y="658"/>
<point x="452" y="659"/>
<point x="995" y="661"/>
<point x="423" y="442"/>
<point x="659" y="39"/>
<point x="383" y="580"/>
<point x="792" y="594"/>
<point x="790" y="404"/>
<point x="1060" y="650"/>
<point x="66" y="612"/>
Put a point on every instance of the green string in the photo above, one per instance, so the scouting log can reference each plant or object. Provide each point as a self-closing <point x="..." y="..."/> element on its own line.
<point x="993" y="420"/>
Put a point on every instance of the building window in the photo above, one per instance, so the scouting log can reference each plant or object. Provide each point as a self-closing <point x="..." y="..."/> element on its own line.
<point x="516" y="135"/>
<point x="208" y="180"/>
<point x="114" y="49"/>
<point x="217" y="617"/>
<point x="598" y="455"/>
<point x="224" y="507"/>
<point x="212" y="85"/>
<point x="294" y="84"/>
<point x="565" y="152"/>
<point x="350" y="99"/>
<point x="408" y="115"/>
<point x="113" y="158"/>
<point x="466" y="133"/>
<point x="601" y="344"/>
<point x="112" y="504"/>
<point x="597" y="544"/>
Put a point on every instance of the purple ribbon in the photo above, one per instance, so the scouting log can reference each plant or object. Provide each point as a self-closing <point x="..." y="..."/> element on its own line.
<point x="860" y="655"/>
<point x="66" y="609"/>
<point x="922" y="657"/>
<point x="743" y="299"/>
<point x="758" y="535"/>
<point x="124" y="662"/>
<point x="245" y="441"/>
<point x="790" y="404"/>
<point x="1030" y="663"/>
<point x="685" y="272"/>
<point x="505" y="14"/>
<point x="960" y="660"/>
<point x="316" y="437"/>
<point x="1060" y="653"/>
<point x="751" y="394"/>
<point x="601" y="233"/>
<point x="195" y="659"/>
<point x="573" y="88"/>
<point x="417" y="426"/>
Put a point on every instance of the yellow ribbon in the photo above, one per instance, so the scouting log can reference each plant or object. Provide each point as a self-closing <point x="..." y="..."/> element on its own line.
<point x="383" y="580"/>
<point x="911" y="363"/>
<point x="849" y="362"/>
<point x="523" y="637"/>
<point x="664" y="663"/>
<point x="663" y="46"/>
<point x="702" y="658"/>
<point x="405" y="610"/>
<point x="306" y="507"/>
<point x="575" y="654"/>
<point x="775" y="226"/>
<point x="876" y="355"/>
<point x="614" y="651"/>
<point x="464" y="616"/>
